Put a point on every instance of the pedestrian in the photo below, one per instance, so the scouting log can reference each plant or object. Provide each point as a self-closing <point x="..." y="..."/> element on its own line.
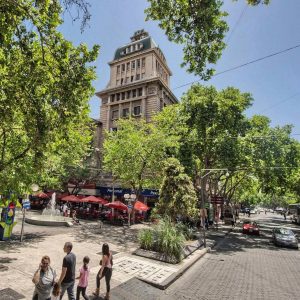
<point x="233" y="221"/>
<point x="83" y="277"/>
<point x="67" y="276"/>
<point x="105" y="271"/>
<point x="284" y="215"/>
<point x="43" y="279"/>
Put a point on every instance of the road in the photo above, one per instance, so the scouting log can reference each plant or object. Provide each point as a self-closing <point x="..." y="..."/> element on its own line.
<point x="243" y="267"/>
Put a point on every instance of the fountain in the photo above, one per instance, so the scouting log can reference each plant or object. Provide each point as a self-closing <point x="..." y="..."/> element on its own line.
<point x="50" y="216"/>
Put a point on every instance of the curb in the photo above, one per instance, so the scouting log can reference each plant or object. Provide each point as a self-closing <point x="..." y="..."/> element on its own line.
<point x="165" y="284"/>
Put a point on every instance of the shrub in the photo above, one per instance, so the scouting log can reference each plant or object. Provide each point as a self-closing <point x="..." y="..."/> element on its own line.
<point x="186" y="230"/>
<point x="165" y="238"/>
<point x="168" y="240"/>
<point x="146" y="239"/>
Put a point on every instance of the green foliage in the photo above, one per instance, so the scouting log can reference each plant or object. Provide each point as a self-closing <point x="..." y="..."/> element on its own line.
<point x="187" y="231"/>
<point x="135" y="153"/>
<point x="177" y="193"/>
<point x="164" y="238"/>
<point x="169" y="240"/>
<point x="45" y="87"/>
<point x="198" y="25"/>
<point x="146" y="239"/>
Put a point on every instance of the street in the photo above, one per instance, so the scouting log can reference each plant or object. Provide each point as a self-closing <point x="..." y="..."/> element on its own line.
<point x="243" y="267"/>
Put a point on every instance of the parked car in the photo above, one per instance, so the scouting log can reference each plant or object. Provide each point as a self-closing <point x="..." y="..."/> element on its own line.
<point x="250" y="227"/>
<point x="284" y="237"/>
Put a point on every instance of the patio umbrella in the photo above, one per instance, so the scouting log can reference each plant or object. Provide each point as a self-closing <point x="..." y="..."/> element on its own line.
<point x="71" y="198"/>
<point x="41" y="195"/>
<point x="116" y="205"/>
<point x="140" y="206"/>
<point x="93" y="199"/>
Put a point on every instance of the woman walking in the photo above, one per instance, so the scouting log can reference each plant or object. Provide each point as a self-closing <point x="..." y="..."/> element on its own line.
<point x="43" y="279"/>
<point x="105" y="271"/>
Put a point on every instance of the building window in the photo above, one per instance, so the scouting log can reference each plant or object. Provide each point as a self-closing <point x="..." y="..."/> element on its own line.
<point x="140" y="91"/>
<point x="132" y="78"/>
<point x="125" y="112"/>
<point x="123" y="95"/>
<point x="118" y="69"/>
<point x="122" y="80"/>
<point x="114" y="114"/>
<point x="137" y="77"/>
<point x="133" y="93"/>
<point x="137" y="111"/>
<point x="143" y="62"/>
<point x="128" y="66"/>
<point x="123" y="67"/>
<point x="128" y="94"/>
<point x="113" y="129"/>
<point x="118" y="97"/>
<point x="112" y="98"/>
<point x="138" y="63"/>
<point x="133" y="64"/>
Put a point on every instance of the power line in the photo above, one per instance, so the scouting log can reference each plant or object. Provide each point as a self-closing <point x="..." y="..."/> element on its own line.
<point x="243" y="65"/>
<point x="280" y="102"/>
<point x="237" y="23"/>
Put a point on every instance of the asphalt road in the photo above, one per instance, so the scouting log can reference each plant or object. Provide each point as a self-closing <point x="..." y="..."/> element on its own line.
<point x="243" y="267"/>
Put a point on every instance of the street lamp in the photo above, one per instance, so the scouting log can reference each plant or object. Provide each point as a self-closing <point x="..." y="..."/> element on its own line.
<point x="129" y="198"/>
<point x="34" y="187"/>
<point x="202" y="206"/>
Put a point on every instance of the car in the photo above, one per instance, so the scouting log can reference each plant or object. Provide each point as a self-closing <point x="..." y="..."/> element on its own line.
<point x="250" y="227"/>
<point x="284" y="237"/>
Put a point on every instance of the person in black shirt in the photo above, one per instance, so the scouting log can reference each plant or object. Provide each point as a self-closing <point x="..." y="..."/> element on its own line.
<point x="67" y="276"/>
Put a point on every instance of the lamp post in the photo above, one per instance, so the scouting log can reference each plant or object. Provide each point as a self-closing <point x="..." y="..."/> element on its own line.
<point x="34" y="187"/>
<point x="129" y="198"/>
<point x="202" y="205"/>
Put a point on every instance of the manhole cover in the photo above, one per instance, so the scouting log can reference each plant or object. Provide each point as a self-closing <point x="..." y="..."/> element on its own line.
<point x="9" y="294"/>
<point x="3" y="268"/>
<point x="113" y="252"/>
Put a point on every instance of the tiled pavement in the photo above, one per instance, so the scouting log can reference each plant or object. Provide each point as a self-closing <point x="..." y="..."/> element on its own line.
<point x="20" y="260"/>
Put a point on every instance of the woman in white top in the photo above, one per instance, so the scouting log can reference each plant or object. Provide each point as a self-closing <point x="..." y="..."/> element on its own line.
<point x="106" y="270"/>
<point x="43" y="279"/>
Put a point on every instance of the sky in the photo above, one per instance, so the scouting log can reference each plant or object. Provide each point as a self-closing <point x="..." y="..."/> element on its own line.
<point x="255" y="32"/>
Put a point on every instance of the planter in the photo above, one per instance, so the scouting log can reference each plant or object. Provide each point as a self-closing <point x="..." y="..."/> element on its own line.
<point x="189" y="248"/>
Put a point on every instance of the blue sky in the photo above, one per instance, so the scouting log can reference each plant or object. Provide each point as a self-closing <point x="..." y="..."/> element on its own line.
<point x="255" y="32"/>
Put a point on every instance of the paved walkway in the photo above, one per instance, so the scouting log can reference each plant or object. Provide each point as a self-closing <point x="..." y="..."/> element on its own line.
<point x="18" y="261"/>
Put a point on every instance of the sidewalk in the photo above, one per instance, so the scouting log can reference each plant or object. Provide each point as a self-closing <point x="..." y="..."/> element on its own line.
<point x="18" y="261"/>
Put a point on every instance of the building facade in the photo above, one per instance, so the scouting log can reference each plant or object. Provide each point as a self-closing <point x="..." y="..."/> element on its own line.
<point x="139" y="84"/>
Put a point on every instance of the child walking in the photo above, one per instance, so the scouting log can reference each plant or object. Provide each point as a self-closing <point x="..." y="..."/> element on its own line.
<point x="83" y="279"/>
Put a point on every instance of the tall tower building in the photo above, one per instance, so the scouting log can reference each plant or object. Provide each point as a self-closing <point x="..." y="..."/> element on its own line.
<point x="139" y="84"/>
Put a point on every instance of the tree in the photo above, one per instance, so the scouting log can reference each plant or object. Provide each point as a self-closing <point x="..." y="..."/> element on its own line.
<point x="177" y="194"/>
<point x="45" y="86"/>
<point x="199" y="25"/>
<point x="134" y="154"/>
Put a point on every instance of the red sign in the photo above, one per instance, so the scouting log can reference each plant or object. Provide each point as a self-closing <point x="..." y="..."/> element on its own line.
<point x="217" y="200"/>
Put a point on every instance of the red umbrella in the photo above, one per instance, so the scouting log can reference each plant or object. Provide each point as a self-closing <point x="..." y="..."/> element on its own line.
<point x="93" y="199"/>
<point x="71" y="198"/>
<point x="42" y="195"/>
<point x="117" y="205"/>
<point x="140" y="206"/>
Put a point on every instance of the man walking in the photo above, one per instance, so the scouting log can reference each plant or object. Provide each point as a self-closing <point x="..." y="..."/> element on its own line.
<point x="67" y="276"/>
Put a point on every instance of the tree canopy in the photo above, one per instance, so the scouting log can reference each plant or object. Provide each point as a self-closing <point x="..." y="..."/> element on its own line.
<point x="198" y="25"/>
<point x="45" y="87"/>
